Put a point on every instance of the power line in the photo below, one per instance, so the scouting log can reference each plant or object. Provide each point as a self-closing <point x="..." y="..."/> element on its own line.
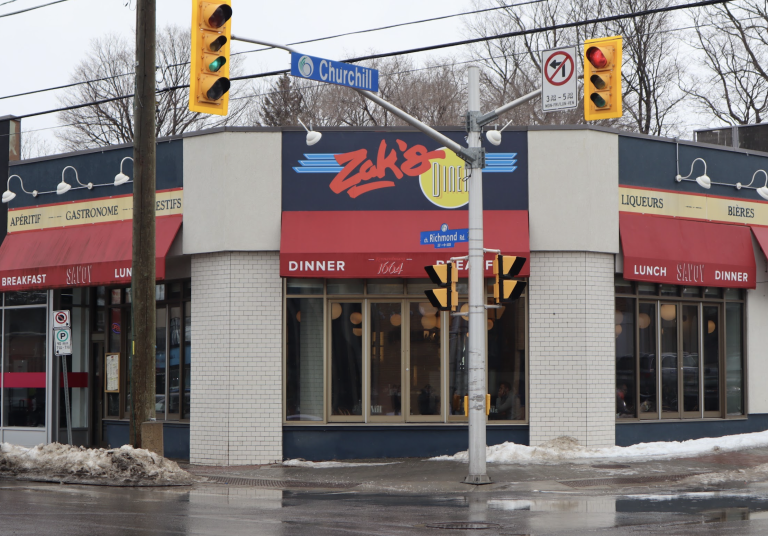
<point x="297" y="43"/>
<point x="420" y="49"/>
<point x="29" y="8"/>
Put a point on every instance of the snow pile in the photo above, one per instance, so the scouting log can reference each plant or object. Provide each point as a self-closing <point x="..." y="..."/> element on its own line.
<point x="323" y="465"/>
<point x="124" y="466"/>
<point x="568" y="449"/>
<point x="751" y="474"/>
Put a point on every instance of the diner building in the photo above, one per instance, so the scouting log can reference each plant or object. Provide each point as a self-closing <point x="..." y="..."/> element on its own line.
<point x="292" y="320"/>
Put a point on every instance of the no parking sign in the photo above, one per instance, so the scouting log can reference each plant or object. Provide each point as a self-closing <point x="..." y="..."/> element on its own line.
<point x="558" y="79"/>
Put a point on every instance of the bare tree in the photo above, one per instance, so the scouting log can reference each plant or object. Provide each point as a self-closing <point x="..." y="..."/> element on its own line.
<point x="512" y="66"/>
<point x="33" y="145"/>
<point x="109" y="71"/>
<point x="732" y="41"/>
<point x="283" y="105"/>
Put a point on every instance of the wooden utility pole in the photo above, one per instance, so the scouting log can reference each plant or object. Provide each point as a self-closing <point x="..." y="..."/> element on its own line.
<point x="142" y="389"/>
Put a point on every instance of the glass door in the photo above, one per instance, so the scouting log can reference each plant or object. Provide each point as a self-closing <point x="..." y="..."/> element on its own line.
<point x="346" y="363"/>
<point x="711" y="330"/>
<point x="423" y="362"/>
<point x="386" y="361"/>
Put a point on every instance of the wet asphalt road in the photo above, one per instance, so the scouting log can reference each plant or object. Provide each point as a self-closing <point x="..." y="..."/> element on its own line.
<point x="216" y="509"/>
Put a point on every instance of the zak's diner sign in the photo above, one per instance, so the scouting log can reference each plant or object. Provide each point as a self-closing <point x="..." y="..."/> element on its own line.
<point x="109" y="209"/>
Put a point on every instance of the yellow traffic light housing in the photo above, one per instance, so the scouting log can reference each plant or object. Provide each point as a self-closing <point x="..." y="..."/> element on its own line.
<point x="209" y="71"/>
<point x="505" y="268"/>
<point x="445" y="276"/>
<point x="602" y="78"/>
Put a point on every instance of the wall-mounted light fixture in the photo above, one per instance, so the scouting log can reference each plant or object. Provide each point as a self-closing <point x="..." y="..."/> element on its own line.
<point x="312" y="136"/>
<point x="9" y="195"/>
<point x="702" y="180"/>
<point x="763" y="190"/>
<point x="121" y="178"/>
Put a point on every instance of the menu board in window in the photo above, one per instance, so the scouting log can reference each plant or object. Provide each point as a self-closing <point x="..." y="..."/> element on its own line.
<point x="112" y="376"/>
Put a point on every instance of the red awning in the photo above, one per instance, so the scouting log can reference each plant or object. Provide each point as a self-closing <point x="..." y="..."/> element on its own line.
<point x="371" y="244"/>
<point x="761" y="234"/>
<point x="81" y="256"/>
<point x="686" y="252"/>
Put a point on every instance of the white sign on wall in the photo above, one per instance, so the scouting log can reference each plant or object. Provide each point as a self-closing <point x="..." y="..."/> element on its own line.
<point x="558" y="79"/>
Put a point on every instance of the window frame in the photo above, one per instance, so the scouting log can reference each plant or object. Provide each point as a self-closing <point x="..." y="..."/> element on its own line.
<point x="702" y="299"/>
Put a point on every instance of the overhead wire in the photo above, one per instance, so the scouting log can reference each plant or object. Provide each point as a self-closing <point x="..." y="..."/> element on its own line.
<point x="30" y="8"/>
<point x="296" y="43"/>
<point x="419" y="49"/>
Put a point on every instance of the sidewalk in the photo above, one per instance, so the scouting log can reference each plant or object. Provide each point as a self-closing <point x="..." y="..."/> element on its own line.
<point x="713" y="470"/>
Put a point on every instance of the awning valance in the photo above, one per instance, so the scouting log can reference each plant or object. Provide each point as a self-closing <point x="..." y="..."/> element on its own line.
<point x="81" y="256"/>
<point x="686" y="252"/>
<point x="387" y="244"/>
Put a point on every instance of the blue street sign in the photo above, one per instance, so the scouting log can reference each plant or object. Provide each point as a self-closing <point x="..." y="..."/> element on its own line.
<point x="444" y="238"/>
<point x="334" y="72"/>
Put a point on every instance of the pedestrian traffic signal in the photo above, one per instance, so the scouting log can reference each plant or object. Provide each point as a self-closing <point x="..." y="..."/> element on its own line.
<point x="505" y="268"/>
<point x="445" y="276"/>
<point x="209" y="69"/>
<point x="602" y="78"/>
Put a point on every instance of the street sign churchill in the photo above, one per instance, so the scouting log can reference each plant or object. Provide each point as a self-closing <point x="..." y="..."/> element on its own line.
<point x="334" y="72"/>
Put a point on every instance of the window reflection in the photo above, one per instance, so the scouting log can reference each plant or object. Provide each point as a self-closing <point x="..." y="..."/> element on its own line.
<point x="624" y="330"/>
<point x="386" y="359"/>
<point x="347" y="359"/>
<point x="425" y="359"/>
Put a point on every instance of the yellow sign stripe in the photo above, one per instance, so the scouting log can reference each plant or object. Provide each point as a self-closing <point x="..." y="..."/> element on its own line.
<point x="83" y="212"/>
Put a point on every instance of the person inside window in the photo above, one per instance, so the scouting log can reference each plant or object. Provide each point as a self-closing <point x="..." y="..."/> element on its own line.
<point x="507" y="404"/>
<point x="622" y="409"/>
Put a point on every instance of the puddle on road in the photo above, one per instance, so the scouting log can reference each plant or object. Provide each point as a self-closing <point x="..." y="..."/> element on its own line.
<point x="606" y="512"/>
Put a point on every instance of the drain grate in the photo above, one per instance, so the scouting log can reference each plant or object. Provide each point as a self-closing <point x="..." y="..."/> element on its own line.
<point x="279" y="484"/>
<point x="628" y="480"/>
<point x="610" y="466"/>
<point x="459" y="525"/>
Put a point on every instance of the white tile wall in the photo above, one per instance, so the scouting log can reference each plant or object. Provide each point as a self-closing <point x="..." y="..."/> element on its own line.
<point x="236" y="406"/>
<point x="571" y="328"/>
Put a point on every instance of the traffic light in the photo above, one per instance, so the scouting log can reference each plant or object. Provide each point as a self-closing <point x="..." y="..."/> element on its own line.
<point x="209" y="70"/>
<point x="505" y="268"/>
<point x="445" y="276"/>
<point x="602" y="78"/>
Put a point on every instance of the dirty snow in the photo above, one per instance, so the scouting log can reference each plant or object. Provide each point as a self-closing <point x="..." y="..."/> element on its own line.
<point x="124" y="466"/>
<point x="323" y="465"/>
<point x="751" y="474"/>
<point x="567" y="449"/>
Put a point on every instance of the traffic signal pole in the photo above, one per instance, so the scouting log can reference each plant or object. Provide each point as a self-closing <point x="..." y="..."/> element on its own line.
<point x="474" y="156"/>
<point x="142" y="389"/>
<point x="477" y="322"/>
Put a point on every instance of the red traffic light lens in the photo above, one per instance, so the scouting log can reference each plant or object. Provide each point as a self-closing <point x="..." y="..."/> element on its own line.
<point x="222" y="14"/>
<point x="596" y="57"/>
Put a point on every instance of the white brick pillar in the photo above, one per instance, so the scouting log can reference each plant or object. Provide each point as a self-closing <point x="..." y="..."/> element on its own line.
<point x="236" y="392"/>
<point x="571" y="338"/>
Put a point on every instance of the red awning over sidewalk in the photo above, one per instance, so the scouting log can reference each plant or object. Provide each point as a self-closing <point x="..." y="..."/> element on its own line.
<point x="761" y="234"/>
<point x="686" y="252"/>
<point x="81" y="256"/>
<point x="371" y="244"/>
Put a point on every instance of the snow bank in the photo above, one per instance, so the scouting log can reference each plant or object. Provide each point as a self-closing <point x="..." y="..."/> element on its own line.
<point x="124" y="466"/>
<point x="323" y="465"/>
<point x="568" y="449"/>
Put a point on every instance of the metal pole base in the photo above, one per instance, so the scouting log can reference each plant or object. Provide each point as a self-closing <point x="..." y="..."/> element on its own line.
<point x="477" y="480"/>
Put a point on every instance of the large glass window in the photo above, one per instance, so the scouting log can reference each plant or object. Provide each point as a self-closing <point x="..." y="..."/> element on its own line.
<point x="24" y="345"/>
<point x="675" y="369"/>
<point x="376" y="351"/>
<point x="304" y="355"/>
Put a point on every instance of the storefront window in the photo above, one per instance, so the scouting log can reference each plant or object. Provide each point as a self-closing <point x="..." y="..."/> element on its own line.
<point x="458" y="360"/>
<point x="733" y="359"/>
<point x="386" y="362"/>
<point x="681" y="351"/>
<point x="24" y="344"/>
<point x="304" y="364"/>
<point x="346" y="359"/>
<point x="626" y="388"/>
<point x="506" y="362"/>
<point x="424" y="352"/>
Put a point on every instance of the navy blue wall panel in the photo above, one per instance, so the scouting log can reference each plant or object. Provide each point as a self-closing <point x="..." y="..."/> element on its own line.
<point x="648" y="432"/>
<point x="356" y="442"/>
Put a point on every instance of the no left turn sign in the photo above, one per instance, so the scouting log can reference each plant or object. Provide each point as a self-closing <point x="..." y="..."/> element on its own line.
<point x="558" y="80"/>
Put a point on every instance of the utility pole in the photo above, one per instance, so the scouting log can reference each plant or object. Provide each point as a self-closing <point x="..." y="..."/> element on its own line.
<point x="142" y="389"/>
<point x="477" y="322"/>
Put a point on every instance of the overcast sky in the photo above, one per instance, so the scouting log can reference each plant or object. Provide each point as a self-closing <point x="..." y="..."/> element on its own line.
<point x="46" y="44"/>
<point x="62" y="33"/>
